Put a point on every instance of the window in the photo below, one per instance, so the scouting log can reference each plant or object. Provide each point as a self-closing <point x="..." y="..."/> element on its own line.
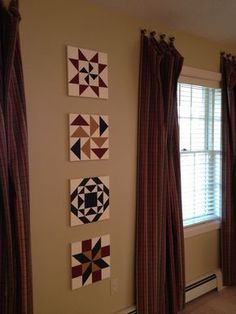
<point x="199" y="110"/>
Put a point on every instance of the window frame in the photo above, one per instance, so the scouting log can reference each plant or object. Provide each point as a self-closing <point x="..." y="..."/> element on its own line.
<point x="195" y="76"/>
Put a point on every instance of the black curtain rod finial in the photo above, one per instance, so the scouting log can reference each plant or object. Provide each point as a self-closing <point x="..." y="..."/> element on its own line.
<point x="162" y="36"/>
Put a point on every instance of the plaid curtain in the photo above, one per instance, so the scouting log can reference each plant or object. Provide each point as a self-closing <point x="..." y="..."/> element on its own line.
<point x="228" y="228"/>
<point x="159" y="232"/>
<point x="15" y="255"/>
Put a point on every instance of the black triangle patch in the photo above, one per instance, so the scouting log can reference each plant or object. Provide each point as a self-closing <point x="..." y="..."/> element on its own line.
<point x="93" y="76"/>
<point x="87" y="79"/>
<point x="90" y="67"/>
<point x="91" y="212"/>
<point x="101" y="198"/>
<point x="90" y="187"/>
<point x="99" y="208"/>
<point x="76" y="149"/>
<point x="97" y="180"/>
<point x="106" y="205"/>
<point x="84" y="182"/>
<point x="74" y="194"/>
<point x="84" y="220"/>
<point x="82" y="192"/>
<point x="80" y="201"/>
<point x="106" y="190"/>
<point x="97" y="217"/>
<point x="103" y="126"/>
<point x="82" y="211"/>
<point x="74" y="210"/>
<point x="83" y="70"/>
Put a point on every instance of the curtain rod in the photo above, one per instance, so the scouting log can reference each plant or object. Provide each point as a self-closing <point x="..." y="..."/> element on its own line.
<point x="227" y="55"/>
<point x="154" y="33"/>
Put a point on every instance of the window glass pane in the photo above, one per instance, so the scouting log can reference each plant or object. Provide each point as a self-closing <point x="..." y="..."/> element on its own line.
<point x="198" y="102"/>
<point x="217" y="107"/>
<point x="184" y="108"/>
<point x="187" y="181"/>
<point x="197" y="134"/>
<point x="199" y="110"/>
<point x="185" y="134"/>
<point x="217" y="135"/>
<point x="200" y="183"/>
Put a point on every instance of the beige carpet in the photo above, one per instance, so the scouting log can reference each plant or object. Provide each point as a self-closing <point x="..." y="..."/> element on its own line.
<point x="223" y="302"/>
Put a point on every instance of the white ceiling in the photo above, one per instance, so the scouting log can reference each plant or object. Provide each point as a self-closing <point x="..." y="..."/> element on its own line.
<point x="212" y="19"/>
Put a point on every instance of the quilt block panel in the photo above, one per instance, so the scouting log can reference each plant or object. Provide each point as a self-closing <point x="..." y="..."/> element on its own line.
<point x="89" y="200"/>
<point x="89" y="137"/>
<point x="90" y="261"/>
<point x="87" y="73"/>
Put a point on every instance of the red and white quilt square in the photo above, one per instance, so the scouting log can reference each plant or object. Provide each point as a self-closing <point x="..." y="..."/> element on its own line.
<point x="90" y="261"/>
<point x="87" y="73"/>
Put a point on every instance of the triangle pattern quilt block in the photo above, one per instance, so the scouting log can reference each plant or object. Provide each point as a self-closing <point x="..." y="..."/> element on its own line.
<point x="89" y="137"/>
<point x="87" y="72"/>
<point x="87" y="204"/>
<point x="90" y="261"/>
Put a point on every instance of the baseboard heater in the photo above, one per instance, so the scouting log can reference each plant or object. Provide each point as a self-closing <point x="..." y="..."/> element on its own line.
<point x="194" y="289"/>
<point x="200" y="287"/>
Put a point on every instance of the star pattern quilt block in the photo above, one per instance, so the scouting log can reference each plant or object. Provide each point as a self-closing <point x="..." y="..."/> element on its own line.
<point x="90" y="261"/>
<point x="89" y="200"/>
<point x="89" y="137"/>
<point x="87" y="73"/>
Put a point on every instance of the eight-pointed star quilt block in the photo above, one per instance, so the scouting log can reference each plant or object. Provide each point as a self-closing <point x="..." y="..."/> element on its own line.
<point x="89" y="137"/>
<point x="87" y="73"/>
<point x="89" y="199"/>
<point x="90" y="261"/>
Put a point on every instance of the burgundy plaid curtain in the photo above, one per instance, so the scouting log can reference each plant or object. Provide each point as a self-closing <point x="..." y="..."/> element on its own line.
<point x="228" y="229"/>
<point x="15" y="256"/>
<point x="159" y="231"/>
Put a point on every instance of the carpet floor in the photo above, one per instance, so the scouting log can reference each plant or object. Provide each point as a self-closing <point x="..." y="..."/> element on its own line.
<point x="223" y="302"/>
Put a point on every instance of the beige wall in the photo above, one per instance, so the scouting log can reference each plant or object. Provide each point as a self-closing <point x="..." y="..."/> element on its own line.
<point x="46" y="28"/>
<point x="201" y="255"/>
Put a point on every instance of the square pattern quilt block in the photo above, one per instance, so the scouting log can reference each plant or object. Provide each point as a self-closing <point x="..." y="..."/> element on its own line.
<point x="89" y="200"/>
<point x="87" y="73"/>
<point x="89" y="137"/>
<point x="90" y="261"/>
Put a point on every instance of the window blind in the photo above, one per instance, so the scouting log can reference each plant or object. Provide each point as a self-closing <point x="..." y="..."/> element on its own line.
<point x="199" y="110"/>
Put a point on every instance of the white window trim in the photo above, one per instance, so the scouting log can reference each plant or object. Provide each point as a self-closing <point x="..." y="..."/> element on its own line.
<point x="195" y="230"/>
<point x="197" y="76"/>
<point x="200" y="77"/>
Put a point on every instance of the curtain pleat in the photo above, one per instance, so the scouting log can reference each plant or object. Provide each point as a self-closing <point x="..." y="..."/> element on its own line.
<point x="15" y="253"/>
<point x="159" y="228"/>
<point x="228" y="228"/>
